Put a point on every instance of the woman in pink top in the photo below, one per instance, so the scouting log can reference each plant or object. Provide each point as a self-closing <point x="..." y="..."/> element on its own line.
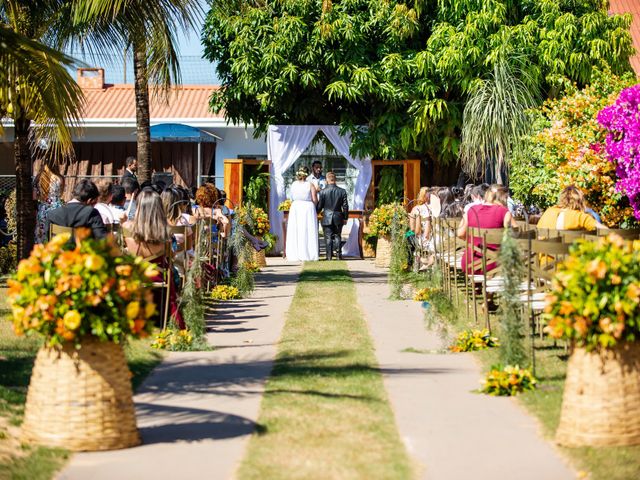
<point x="493" y="213"/>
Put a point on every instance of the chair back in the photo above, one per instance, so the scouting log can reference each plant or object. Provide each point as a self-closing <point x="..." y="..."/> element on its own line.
<point x="58" y="229"/>
<point x="627" y="234"/>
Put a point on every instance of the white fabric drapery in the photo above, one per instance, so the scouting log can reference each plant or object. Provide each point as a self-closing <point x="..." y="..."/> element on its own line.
<point x="285" y="144"/>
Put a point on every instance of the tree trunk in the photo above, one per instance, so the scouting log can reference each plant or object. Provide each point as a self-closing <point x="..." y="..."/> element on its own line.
<point x="25" y="204"/>
<point x="143" y="130"/>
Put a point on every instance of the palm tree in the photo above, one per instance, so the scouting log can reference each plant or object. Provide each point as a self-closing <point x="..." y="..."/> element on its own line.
<point x="37" y="93"/>
<point x="148" y="29"/>
<point x="495" y="118"/>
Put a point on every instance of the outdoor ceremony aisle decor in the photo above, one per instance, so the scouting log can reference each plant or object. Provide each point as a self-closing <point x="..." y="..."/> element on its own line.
<point x="86" y="299"/>
<point x="595" y="305"/>
<point x="380" y="225"/>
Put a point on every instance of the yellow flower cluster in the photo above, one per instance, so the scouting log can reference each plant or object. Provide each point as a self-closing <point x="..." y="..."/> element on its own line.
<point x="174" y="340"/>
<point x="426" y="294"/>
<point x="65" y="291"/>
<point x="225" y="292"/>
<point x="381" y="219"/>
<point x="252" y="267"/>
<point x="595" y="297"/>
<point x="261" y="223"/>
<point x="474" y="340"/>
<point x="285" y="206"/>
<point x="508" y="381"/>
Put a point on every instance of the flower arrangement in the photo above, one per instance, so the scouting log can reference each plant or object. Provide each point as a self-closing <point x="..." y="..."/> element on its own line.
<point x="473" y="340"/>
<point x="595" y="295"/>
<point x="381" y="219"/>
<point x="260" y="220"/>
<point x="285" y="206"/>
<point x="426" y="294"/>
<point x="623" y="142"/>
<point x="173" y="339"/>
<point x="508" y="381"/>
<point x="67" y="292"/>
<point x="252" y="266"/>
<point x="225" y="292"/>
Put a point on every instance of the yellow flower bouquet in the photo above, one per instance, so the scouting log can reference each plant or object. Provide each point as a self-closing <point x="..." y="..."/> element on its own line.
<point x="261" y="224"/>
<point x="225" y="292"/>
<point x="68" y="292"/>
<point x="595" y="297"/>
<point x="381" y="219"/>
<point x="285" y="206"/>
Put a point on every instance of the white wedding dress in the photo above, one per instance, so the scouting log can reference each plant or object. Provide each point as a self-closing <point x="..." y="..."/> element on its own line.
<point x="302" y="227"/>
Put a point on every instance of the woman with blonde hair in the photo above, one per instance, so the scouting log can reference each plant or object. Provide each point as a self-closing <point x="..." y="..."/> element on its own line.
<point x="48" y="186"/>
<point x="570" y="213"/>
<point x="302" y="225"/>
<point x="493" y="213"/>
<point x="420" y="224"/>
<point x="148" y="236"/>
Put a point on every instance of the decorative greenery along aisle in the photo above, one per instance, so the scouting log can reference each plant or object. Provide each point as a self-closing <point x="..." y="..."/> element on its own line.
<point x="325" y="413"/>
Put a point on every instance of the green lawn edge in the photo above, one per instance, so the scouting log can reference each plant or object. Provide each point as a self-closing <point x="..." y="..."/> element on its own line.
<point x="325" y="412"/>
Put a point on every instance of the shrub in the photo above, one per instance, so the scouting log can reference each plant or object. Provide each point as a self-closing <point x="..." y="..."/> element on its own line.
<point x="8" y="258"/>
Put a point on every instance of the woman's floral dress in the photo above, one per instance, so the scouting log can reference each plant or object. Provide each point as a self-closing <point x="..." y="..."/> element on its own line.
<point x="52" y="201"/>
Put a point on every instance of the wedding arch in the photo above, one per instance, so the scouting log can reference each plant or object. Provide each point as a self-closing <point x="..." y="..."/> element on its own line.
<point x="285" y="144"/>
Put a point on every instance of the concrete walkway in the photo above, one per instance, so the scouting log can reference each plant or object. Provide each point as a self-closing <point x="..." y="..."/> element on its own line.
<point x="197" y="410"/>
<point x="452" y="432"/>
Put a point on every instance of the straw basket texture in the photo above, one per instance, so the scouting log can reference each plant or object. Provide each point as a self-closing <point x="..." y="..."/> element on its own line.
<point x="601" y="403"/>
<point x="260" y="258"/>
<point x="81" y="400"/>
<point x="383" y="252"/>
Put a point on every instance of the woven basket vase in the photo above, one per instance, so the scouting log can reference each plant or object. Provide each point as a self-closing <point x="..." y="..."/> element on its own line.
<point x="601" y="403"/>
<point x="383" y="252"/>
<point x="260" y="258"/>
<point x="81" y="400"/>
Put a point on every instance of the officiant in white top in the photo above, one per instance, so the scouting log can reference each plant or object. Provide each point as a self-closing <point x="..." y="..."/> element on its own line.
<point x="316" y="177"/>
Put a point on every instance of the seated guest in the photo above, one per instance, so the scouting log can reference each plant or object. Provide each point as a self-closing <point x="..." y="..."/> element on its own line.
<point x="105" y="194"/>
<point x="226" y="211"/>
<point x="493" y="213"/>
<point x="175" y="205"/>
<point x="570" y="213"/>
<point x="206" y="197"/>
<point x="147" y="235"/>
<point x="476" y="196"/>
<point x="131" y="189"/>
<point x="117" y="203"/>
<point x="79" y="212"/>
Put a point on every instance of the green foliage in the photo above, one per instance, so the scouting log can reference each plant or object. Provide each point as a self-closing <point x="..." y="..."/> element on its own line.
<point x="508" y="381"/>
<point x="256" y="192"/>
<point x="512" y="350"/>
<point x="8" y="258"/>
<point x="473" y="340"/>
<point x="390" y="186"/>
<point x="243" y="278"/>
<point x="399" y="261"/>
<point x="404" y="69"/>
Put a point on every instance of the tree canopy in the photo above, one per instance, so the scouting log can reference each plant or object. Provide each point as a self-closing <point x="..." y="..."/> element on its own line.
<point x="403" y="68"/>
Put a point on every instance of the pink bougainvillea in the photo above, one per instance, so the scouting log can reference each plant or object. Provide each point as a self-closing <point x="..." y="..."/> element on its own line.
<point x="622" y="120"/>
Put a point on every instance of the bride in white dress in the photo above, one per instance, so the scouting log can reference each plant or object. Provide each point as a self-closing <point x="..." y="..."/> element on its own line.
<point x="302" y="227"/>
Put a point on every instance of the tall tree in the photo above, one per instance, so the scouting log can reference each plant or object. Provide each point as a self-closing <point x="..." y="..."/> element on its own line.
<point x="403" y="68"/>
<point x="37" y="94"/>
<point x="149" y="30"/>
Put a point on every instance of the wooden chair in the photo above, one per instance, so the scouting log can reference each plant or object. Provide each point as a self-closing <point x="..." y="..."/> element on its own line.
<point x="58" y="229"/>
<point x="626" y="234"/>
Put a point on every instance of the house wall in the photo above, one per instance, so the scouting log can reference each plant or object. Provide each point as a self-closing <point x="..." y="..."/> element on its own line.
<point x="236" y="142"/>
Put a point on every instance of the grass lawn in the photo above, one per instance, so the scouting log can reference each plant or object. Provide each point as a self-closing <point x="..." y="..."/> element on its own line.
<point x="17" y="355"/>
<point x="325" y="413"/>
<point x="603" y="463"/>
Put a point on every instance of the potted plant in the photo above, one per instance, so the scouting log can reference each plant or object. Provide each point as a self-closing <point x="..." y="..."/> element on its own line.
<point x="86" y="299"/>
<point x="380" y="226"/>
<point x="595" y="306"/>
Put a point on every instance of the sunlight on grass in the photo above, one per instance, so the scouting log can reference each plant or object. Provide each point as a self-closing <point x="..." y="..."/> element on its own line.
<point x="325" y="413"/>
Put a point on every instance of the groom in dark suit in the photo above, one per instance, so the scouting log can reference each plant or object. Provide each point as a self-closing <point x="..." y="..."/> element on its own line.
<point x="335" y="211"/>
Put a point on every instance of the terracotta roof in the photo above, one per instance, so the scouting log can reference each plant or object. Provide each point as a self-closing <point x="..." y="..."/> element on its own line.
<point x="117" y="101"/>
<point x="633" y="7"/>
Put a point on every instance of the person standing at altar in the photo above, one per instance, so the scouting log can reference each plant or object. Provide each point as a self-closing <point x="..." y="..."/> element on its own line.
<point x="316" y="177"/>
<point x="302" y="225"/>
<point x="333" y="204"/>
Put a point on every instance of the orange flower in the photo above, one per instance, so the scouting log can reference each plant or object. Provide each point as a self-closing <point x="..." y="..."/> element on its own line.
<point x="566" y="308"/>
<point x="15" y="287"/>
<point x="124" y="270"/>
<point x="616" y="279"/>
<point x="633" y="292"/>
<point x="597" y="269"/>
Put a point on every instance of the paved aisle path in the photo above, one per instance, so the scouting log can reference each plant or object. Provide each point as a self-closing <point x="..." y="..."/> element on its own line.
<point x="197" y="410"/>
<point x="452" y="432"/>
